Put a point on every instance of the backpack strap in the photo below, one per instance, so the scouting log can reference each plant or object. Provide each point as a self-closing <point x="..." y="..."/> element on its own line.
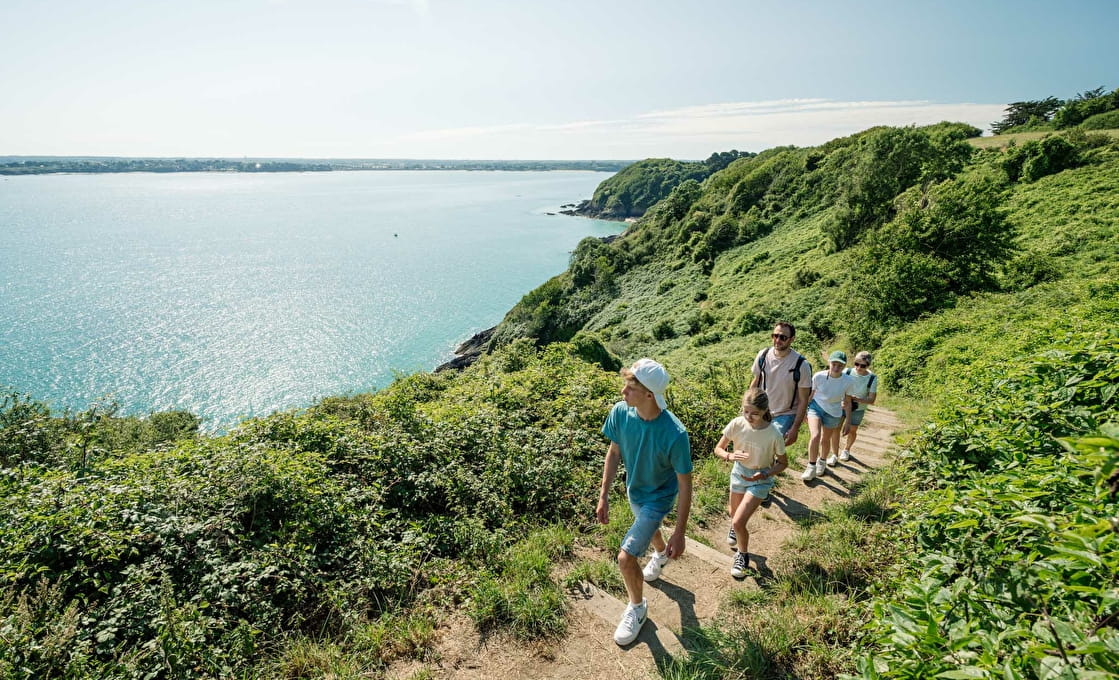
<point x="761" y="364"/>
<point x="870" y="385"/>
<point x="796" y="379"/>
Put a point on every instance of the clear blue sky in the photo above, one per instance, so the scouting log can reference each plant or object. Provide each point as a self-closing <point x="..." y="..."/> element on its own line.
<point x="523" y="78"/>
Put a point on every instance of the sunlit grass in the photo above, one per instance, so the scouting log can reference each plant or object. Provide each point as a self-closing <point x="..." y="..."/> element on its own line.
<point x="520" y="594"/>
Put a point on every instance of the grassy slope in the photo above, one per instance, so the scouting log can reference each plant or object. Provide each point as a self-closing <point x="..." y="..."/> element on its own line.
<point x="1000" y="141"/>
<point x="1070" y="220"/>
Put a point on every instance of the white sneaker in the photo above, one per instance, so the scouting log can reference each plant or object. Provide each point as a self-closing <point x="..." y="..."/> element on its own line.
<point x="809" y="473"/>
<point x="652" y="570"/>
<point x="832" y="460"/>
<point x="630" y="626"/>
<point x="844" y="455"/>
<point x="821" y="467"/>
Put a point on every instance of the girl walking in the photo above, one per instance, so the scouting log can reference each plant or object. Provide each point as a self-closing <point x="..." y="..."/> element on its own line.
<point x="831" y="401"/>
<point x="759" y="456"/>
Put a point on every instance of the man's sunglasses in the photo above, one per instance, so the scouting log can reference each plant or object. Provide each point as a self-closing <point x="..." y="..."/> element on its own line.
<point x="861" y="365"/>
<point x="780" y="336"/>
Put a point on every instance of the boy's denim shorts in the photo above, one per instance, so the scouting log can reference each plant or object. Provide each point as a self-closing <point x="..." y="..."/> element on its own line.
<point x="826" y="419"/>
<point x="646" y="522"/>
<point x="759" y="489"/>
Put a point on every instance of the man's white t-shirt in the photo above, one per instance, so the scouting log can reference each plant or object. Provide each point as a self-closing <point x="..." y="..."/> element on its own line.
<point x="778" y="383"/>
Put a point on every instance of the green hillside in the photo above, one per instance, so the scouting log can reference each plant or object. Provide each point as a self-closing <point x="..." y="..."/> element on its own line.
<point x="852" y="241"/>
<point x="638" y="187"/>
<point x="634" y="189"/>
<point x="328" y="542"/>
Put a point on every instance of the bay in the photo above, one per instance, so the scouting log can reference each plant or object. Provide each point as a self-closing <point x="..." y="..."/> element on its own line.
<point x="236" y="295"/>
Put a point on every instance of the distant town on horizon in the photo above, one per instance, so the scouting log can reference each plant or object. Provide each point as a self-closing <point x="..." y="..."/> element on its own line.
<point x="39" y="165"/>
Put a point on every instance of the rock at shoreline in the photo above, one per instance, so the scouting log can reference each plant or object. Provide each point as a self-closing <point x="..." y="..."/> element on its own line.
<point x="469" y="351"/>
<point x="588" y="209"/>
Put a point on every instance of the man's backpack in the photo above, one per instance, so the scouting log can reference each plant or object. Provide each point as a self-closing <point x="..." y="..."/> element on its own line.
<point x="795" y="370"/>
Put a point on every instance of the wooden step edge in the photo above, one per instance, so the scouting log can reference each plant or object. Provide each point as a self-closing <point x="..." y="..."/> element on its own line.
<point x="872" y="433"/>
<point x="708" y="554"/>
<point x="874" y="442"/>
<point x="609" y="608"/>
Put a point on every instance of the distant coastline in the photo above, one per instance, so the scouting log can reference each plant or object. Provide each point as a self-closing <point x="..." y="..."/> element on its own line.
<point x="42" y="165"/>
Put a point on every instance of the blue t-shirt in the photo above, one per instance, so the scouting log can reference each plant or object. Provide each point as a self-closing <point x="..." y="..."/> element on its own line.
<point x="653" y="451"/>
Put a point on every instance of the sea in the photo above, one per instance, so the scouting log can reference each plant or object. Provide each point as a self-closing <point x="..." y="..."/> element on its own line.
<point x="234" y="295"/>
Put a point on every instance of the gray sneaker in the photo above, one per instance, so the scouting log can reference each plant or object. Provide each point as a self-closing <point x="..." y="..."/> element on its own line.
<point x="630" y="626"/>
<point x="732" y="538"/>
<point x="741" y="565"/>
<point x="821" y="467"/>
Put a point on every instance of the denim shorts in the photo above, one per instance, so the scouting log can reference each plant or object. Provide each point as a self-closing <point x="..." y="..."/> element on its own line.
<point x="856" y="417"/>
<point x="759" y="489"/>
<point x="826" y="419"/>
<point x="646" y="522"/>
<point x="783" y="423"/>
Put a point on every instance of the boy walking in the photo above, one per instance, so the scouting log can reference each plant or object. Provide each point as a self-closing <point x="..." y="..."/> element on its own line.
<point x="653" y="444"/>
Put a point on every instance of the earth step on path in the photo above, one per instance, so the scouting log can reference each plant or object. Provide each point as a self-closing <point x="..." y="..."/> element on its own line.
<point x="668" y="611"/>
<point x="688" y="594"/>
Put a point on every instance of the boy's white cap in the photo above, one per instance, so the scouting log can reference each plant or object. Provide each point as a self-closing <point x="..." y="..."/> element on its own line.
<point x="653" y="376"/>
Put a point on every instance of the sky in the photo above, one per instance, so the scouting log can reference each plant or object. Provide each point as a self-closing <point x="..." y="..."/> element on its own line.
<point x="523" y="79"/>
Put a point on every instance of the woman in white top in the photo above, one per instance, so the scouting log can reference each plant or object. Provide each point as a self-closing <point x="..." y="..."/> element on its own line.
<point x="830" y="402"/>
<point x="863" y="394"/>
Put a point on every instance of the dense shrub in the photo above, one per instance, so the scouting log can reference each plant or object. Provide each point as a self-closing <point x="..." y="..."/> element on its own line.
<point x="1013" y="527"/>
<point x="1040" y="157"/>
<point x="198" y="558"/>
<point x="1029" y="269"/>
<point x="1102" y="121"/>
<point x="595" y="263"/>
<point x="664" y="330"/>
<point x="946" y="241"/>
<point x="27" y="432"/>
<point x="886" y="162"/>
<point x="1088" y="104"/>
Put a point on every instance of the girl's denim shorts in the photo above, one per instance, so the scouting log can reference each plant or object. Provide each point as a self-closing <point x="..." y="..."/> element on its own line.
<point x="759" y="489"/>
<point x="826" y="419"/>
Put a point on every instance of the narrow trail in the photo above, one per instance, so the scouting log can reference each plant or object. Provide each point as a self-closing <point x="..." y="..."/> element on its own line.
<point x="688" y="594"/>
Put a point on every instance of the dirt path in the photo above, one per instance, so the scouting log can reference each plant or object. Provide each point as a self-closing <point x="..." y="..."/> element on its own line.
<point x="688" y="594"/>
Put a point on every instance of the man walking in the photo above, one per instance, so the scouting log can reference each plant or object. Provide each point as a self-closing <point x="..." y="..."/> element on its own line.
<point x="653" y="444"/>
<point x="786" y="376"/>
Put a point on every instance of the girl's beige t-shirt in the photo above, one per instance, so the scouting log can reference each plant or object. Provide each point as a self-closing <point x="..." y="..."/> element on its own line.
<point x="763" y="445"/>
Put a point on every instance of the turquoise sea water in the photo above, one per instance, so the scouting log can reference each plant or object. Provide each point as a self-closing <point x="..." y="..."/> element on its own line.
<point x="235" y="295"/>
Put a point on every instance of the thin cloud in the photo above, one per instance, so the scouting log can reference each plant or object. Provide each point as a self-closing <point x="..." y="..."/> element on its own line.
<point x="731" y="108"/>
<point x="696" y="131"/>
<point x="420" y="7"/>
